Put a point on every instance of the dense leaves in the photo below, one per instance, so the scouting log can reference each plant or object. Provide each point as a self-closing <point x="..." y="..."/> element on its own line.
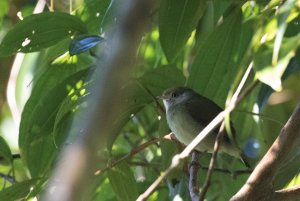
<point x="206" y="45"/>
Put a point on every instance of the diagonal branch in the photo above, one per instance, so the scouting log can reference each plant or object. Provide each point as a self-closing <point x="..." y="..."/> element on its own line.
<point x="190" y="147"/>
<point x="71" y="179"/>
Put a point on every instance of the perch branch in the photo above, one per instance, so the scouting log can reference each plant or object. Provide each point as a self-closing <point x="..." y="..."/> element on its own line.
<point x="193" y="171"/>
<point x="189" y="148"/>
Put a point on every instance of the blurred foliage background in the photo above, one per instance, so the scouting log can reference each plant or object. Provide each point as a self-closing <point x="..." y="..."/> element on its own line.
<point x="205" y="44"/>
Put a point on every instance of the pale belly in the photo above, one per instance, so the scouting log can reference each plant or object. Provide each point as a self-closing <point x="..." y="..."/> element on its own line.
<point x="186" y="129"/>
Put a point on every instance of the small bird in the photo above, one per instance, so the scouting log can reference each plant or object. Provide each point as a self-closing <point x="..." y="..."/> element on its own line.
<point x="188" y="113"/>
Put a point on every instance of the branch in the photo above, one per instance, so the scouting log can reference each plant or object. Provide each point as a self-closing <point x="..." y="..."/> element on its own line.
<point x="8" y="178"/>
<point x="176" y="160"/>
<point x="193" y="170"/>
<point x="259" y="184"/>
<point x="132" y="153"/>
<point x="73" y="175"/>
<point x="212" y="163"/>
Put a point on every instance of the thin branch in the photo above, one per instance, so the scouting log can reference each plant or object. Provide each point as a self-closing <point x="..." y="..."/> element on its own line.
<point x="193" y="171"/>
<point x="8" y="178"/>
<point x="212" y="163"/>
<point x="233" y="102"/>
<point x="132" y="153"/>
<point x="71" y="179"/>
<point x="233" y="173"/>
<point x="189" y="148"/>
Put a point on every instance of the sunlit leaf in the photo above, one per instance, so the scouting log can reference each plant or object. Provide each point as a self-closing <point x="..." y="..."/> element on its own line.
<point x="271" y="75"/>
<point x="40" y="31"/>
<point x="36" y="141"/>
<point x="284" y="12"/>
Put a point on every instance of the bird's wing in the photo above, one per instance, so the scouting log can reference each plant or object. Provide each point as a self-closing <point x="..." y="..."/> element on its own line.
<point x="203" y="111"/>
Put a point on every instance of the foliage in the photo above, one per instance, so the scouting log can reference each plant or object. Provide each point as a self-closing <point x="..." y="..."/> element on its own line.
<point x="205" y="44"/>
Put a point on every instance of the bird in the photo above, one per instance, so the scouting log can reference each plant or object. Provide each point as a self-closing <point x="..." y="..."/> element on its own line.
<point x="188" y="112"/>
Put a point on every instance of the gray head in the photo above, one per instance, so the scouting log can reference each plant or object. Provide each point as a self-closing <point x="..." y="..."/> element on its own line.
<point x="176" y="95"/>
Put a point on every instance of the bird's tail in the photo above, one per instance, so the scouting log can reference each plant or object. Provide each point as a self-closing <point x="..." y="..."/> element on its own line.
<point x="245" y="160"/>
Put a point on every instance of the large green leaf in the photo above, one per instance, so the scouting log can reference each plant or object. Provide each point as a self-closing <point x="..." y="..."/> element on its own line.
<point x="40" y="31"/>
<point x="216" y="63"/>
<point x="36" y="140"/>
<point x="18" y="191"/>
<point x="177" y="20"/>
<point x="123" y="182"/>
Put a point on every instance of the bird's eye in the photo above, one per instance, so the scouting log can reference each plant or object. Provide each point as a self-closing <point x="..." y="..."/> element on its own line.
<point x="174" y="95"/>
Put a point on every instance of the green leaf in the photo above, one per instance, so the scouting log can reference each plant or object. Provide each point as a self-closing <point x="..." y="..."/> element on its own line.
<point x="5" y="151"/>
<point x="18" y="191"/>
<point x="265" y="71"/>
<point x="216" y="63"/>
<point x="36" y="140"/>
<point x="123" y="182"/>
<point x="40" y="31"/>
<point x="177" y="20"/>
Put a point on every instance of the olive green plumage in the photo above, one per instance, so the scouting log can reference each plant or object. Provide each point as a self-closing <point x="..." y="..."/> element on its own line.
<point x="188" y="113"/>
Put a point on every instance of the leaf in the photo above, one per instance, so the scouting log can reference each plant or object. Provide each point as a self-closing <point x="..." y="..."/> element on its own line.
<point x="217" y="60"/>
<point x="36" y="141"/>
<point x="83" y="43"/>
<point x="265" y="91"/>
<point x="5" y="151"/>
<point x="40" y="31"/>
<point x="123" y="182"/>
<point x="177" y="20"/>
<point x="283" y="13"/>
<point x="265" y="71"/>
<point x="18" y="191"/>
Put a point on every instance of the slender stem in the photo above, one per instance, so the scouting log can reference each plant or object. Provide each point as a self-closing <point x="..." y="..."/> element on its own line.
<point x="193" y="170"/>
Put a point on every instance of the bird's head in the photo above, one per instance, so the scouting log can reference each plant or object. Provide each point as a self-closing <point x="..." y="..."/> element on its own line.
<point x="176" y="95"/>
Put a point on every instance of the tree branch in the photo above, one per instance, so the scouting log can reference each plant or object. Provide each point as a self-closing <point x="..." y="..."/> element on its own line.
<point x="259" y="185"/>
<point x="176" y="160"/>
<point x="212" y="163"/>
<point x="71" y="179"/>
<point x="193" y="171"/>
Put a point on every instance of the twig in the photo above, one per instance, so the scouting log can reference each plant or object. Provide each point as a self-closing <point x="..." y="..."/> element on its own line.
<point x="193" y="171"/>
<point x="233" y="103"/>
<point x="225" y="171"/>
<point x="14" y="156"/>
<point x="8" y="178"/>
<point x="186" y="152"/>
<point x="71" y="179"/>
<point x="132" y="153"/>
<point x="211" y="163"/>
